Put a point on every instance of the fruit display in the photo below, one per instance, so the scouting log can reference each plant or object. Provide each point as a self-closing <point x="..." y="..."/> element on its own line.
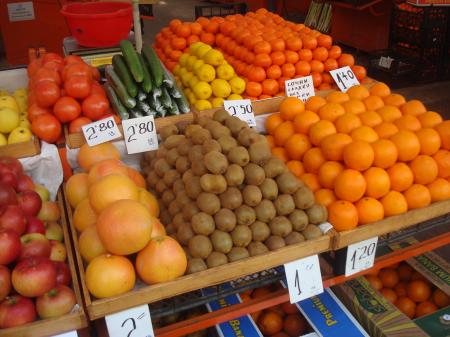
<point x="207" y="78"/>
<point x="138" y="85"/>
<point x="223" y="196"/>
<point x="408" y="290"/>
<point x="117" y="222"/>
<point x="34" y="276"/>
<point x="366" y="154"/>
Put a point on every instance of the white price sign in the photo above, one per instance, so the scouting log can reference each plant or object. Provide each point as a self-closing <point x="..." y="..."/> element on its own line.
<point x="241" y="108"/>
<point x="303" y="278"/>
<point x="140" y="134"/>
<point x="385" y="62"/>
<point x="68" y="334"/>
<point x="302" y="88"/>
<point x="344" y="78"/>
<point x="360" y="256"/>
<point x="101" y="131"/>
<point x="134" y="322"/>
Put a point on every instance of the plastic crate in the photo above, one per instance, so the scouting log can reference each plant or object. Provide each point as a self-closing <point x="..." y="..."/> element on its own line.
<point x="221" y="9"/>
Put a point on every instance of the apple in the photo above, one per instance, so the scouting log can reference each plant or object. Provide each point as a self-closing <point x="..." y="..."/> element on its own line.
<point x="7" y="195"/>
<point x="8" y="177"/>
<point x="57" y="302"/>
<point x="42" y="191"/>
<point x="63" y="275"/>
<point x="5" y="282"/>
<point x="11" y="216"/>
<point x="24" y="183"/>
<point x="9" y="246"/>
<point x="34" y="276"/>
<point x="34" y="225"/>
<point x="16" y="310"/>
<point x="34" y="245"/>
<point x="49" y="211"/>
<point x="30" y="202"/>
<point x="13" y="164"/>
<point x="54" y="231"/>
<point x="58" y="251"/>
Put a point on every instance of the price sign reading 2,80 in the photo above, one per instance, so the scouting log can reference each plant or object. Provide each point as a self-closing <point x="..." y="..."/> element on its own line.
<point x="140" y="129"/>
<point x="140" y="134"/>
<point x="101" y="131"/>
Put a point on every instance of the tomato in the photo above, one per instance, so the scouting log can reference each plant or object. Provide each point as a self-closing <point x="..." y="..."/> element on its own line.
<point x="34" y="66"/>
<point x="34" y="110"/>
<point x="54" y="65"/>
<point x="97" y="89"/>
<point x="81" y="69"/>
<point x="77" y="123"/>
<point x="46" y="127"/>
<point x="95" y="106"/>
<point x="47" y="93"/>
<point x="52" y="57"/>
<point x="117" y="119"/>
<point x="66" y="109"/>
<point x="46" y="74"/>
<point x="78" y="86"/>
<point x="70" y="59"/>
<point x="95" y="73"/>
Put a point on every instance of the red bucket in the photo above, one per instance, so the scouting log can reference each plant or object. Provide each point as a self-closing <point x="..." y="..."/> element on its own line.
<point x="98" y="24"/>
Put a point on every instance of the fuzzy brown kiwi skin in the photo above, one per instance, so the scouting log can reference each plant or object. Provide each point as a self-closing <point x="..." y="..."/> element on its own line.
<point x="238" y="155"/>
<point x="257" y="248"/>
<point x="225" y="220"/>
<point x="317" y="214"/>
<point x="202" y="223"/>
<point x="234" y="175"/>
<point x="254" y="174"/>
<point x="195" y="265"/>
<point x="284" y="204"/>
<point x="208" y="203"/>
<point x="245" y="215"/>
<point x="311" y="232"/>
<point x="252" y="195"/>
<point x="275" y="242"/>
<point x="200" y="246"/>
<point x="260" y="231"/>
<point x="237" y="253"/>
<point x="222" y="241"/>
<point x="299" y="219"/>
<point x="231" y="198"/>
<point x="215" y="162"/>
<point x="269" y="189"/>
<point x="216" y="259"/>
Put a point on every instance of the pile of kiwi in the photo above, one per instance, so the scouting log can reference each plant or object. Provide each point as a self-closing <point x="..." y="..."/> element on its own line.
<point x="223" y="195"/>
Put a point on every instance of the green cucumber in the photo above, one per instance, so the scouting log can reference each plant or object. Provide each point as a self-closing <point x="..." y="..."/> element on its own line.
<point x="121" y="69"/>
<point x="144" y="107"/>
<point x="131" y="58"/>
<point x="168" y="80"/>
<point x="146" y="84"/>
<point x="135" y="113"/>
<point x="154" y="64"/>
<point x="174" y="110"/>
<point x="116" y="104"/>
<point x="141" y="95"/>
<point x="119" y="87"/>
<point x="165" y="98"/>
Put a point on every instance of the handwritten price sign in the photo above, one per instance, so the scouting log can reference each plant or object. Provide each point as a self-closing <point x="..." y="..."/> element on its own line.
<point x="134" y="322"/>
<point x="344" y="78"/>
<point x="101" y="131"/>
<point x="302" y="88"/>
<point x="241" y="108"/>
<point x="140" y="134"/>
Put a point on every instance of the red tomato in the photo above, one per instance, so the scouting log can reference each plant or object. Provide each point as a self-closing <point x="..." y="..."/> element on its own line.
<point x="46" y="127"/>
<point x="54" y="65"/>
<point x="74" y="69"/>
<point x="95" y="73"/>
<point x="34" y="110"/>
<point x="77" y="86"/>
<point x="46" y="74"/>
<point x="77" y="123"/>
<point x="97" y="89"/>
<point x="95" y="106"/>
<point x="52" y="57"/>
<point x="66" y="109"/>
<point x="34" y="66"/>
<point x="70" y="59"/>
<point x="47" y="93"/>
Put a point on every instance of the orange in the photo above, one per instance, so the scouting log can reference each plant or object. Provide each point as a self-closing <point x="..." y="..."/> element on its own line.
<point x="407" y="306"/>
<point x="317" y="66"/>
<point x="404" y="272"/>
<point x="424" y="169"/>
<point x="429" y="139"/>
<point x="272" y="122"/>
<point x="418" y="276"/>
<point x="314" y="103"/>
<point x="394" y="100"/>
<point x="296" y="167"/>
<point x="330" y="64"/>
<point x="331" y="111"/>
<point x="106" y="167"/>
<point x="84" y="216"/>
<point x="418" y="290"/>
<point x="90" y="155"/>
<point x="273" y="72"/>
<point x="408" y="122"/>
<point x="174" y="23"/>
<point x="439" y="190"/>
<point x="183" y="30"/>
<point x="358" y="155"/>
<point x="256" y="74"/>
<point x="302" y="68"/>
<point x="347" y="122"/>
<point x="278" y="58"/>
<point x="417" y="196"/>
<point x="380" y="89"/>
<point x="77" y="188"/>
<point x="294" y="325"/>
<point x="334" y="52"/>
<point x="304" y="120"/>
<point x="389" y="113"/>
<point x="253" y="89"/>
<point x="320" y="54"/>
<point x="349" y="185"/>
<point x="333" y="145"/>
<point x="373" y="102"/>
<point x="378" y="183"/>
<point x="328" y="172"/>
<point x="429" y="119"/>
<point x="270" y="323"/>
<point x="369" y="210"/>
<point x="290" y="107"/>
<point x="389" y="294"/>
<point x="320" y="130"/>
<point x="294" y="44"/>
<point x="400" y="289"/>
<point x="413" y="107"/>
<point x="346" y="60"/>
<point x="288" y="70"/>
<point x="440" y="298"/>
<point x="262" y="60"/>
<point x="305" y="55"/>
<point x="313" y="159"/>
<point x="358" y="92"/>
<point x="89" y="244"/>
<point x="280" y="153"/>
<point x="283" y="132"/>
<point x="386" y="130"/>
<point x="270" y="87"/>
<point x="309" y="42"/>
<point x="385" y="153"/>
<point x="425" y="308"/>
<point x="343" y="215"/>
<point x="401" y="177"/>
<point x="296" y="146"/>
<point x="337" y="97"/>
<point x="150" y="202"/>
<point x="360" y="73"/>
<point x="444" y="131"/>
<point x="364" y="133"/>
<point x="370" y="118"/>
<point x="354" y="106"/>
<point x="324" y="40"/>
<point x="407" y="144"/>
<point x="324" y="196"/>
<point x="375" y="282"/>
<point x="262" y="47"/>
<point x="311" y="180"/>
<point x="442" y="158"/>
<point x="388" y="277"/>
<point x="277" y="44"/>
<point x="394" y="203"/>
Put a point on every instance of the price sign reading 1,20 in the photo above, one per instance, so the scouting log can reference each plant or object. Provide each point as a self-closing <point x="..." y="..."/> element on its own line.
<point x="101" y="131"/>
<point x="134" y="322"/>
<point x="241" y="108"/>
<point x="360" y="256"/>
<point x="344" y="78"/>
<point x="302" y="88"/>
<point x="140" y="134"/>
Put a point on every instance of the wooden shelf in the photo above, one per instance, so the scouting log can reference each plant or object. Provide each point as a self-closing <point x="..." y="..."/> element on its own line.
<point x="21" y="150"/>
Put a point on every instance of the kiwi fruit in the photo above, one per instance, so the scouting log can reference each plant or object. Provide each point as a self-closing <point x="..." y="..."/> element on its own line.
<point x="220" y="115"/>
<point x="148" y="156"/>
<point x="211" y="145"/>
<point x="189" y="210"/>
<point x="247" y="136"/>
<point x="274" y="242"/>
<point x="161" y="167"/>
<point x="231" y="198"/>
<point x="294" y="238"/>
<point x="195" y="153"/>
<point x="269" y="189"/>
<point x="172" y="156"/>
<point x="178" y="186"/>
<point x="234" y="175"/>
<point x="284" y="204"/>
<point x="235" y="125"/>
<point x="317" y="214"/>
<point x="215" y="162"/>
<point x="239" y="155"/>
<point x="280" y="226"/>
<point x="183" y="147"/>
<point x="195" y="265"/>
<point x="265" y="211"/>
<point x="213" y="183"/>
<point x="222" y="241"/>
<point x="183" y="125"/>
<point x="182" y="198"/>
<point x="165" y="217"/>
<point x="227" y="143"/>
<point x="161" y="152"/>
<point x="218" y="130"/>
<point x="288" y="183"/>
<point x="202" y="120"/>
<point x="168" y="131"/>
<point x="311" y="232"/>
<point x="172" y="141"/>
<point x="160" y="186"/>
<point x="170" y="177"/>
<point x="200" y="136"/>
<point x="178" y="220"/>
<point x="274" y="167"/>
<point x="167" y="197"/>
<point x="153" y="178"/>
<point x="216" y="259"/>
<point x="202" y="223"/>
<point x="174" y="208"/>
<point x="260" y="231"/>
<point x="257" y="248"/>
<point x="208" y="203"/>
<point x="303" y="198"/>
<point x="190" y="129"/>
<point x="193" y="187"/>
<point x="299" y="219"/>
<point x="184" y="234"/>
<point x="200" y="246"/>
<point x="199" y="168"/>
<point x="252" y="195"/>
<point x="237" y="253"/>
<point x="245" y="215"/>
<point x="182" y="164"/>
<point x="171" y="230"/>
<point x="254" y="174"/>
<point x="187" y="175"/>
<point x="259" y="153"/>
<point x="225" y="220"/>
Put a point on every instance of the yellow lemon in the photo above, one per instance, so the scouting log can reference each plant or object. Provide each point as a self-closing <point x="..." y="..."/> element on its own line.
<point x="182" y="71"/>
<point x="193" y="81"/>
<point x="9" y="119"/>
<point x="190" y="62"/>
<point x="225" y="72"/>
<point x="24" y="122"/>
<point x="19" y="135"/>
<point x="237" y="85"/>
<point x="217" y="102"/>
<point x="3" y="140"/>
<point x="197" y="65"/>
<point x="202" y="90"/>
<point x="186" y="78"/>
<point x="234" y="97"/>
<point x="213" y="57"/>
<point x="202" y="50"/>
<point x="220" y="88"/>
<point x="8" y="102"/>
<point x="206" y="73"/>
<point x="183" y="59"/>
<point x="202" y="104"/>
<point x="22" y="103"/>
<point x="20" y="92"/>
<point x="193" y="47"/>
<point x="176" y="70"/>
<point x="4" y="92"/>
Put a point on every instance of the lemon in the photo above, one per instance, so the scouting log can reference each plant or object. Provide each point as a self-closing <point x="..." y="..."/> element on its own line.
<point x="206" y="73"/>
<point x="21" y="103"/>
<point x="186" y="78"/>
<point x="202" y="50"/>
<point x="234" y="97"/>
<point x="237" y="85"/>
<point x="4" y="92"/>
<point x="9" y="119"/>
<point x="220" y="88"/>
<point x="24" y="122"/>
<point x="225" y="72"/>
<point x="197" y="65"/>
<point x="213" y="57"/>
<point x="176" y="70"/>
<point x="20" y="92"/>
<point x="217" y="102"/>
<point x="193" y="81"/>
<point x="19" y="135"/>
<point x="202" y="104"/>
<point x="202" y="90"/>
<point x="8" y="102"/>
<point x="3" y="140"/>
<point x="183" y="59"/>
<point x="190" y="62"/>
<point x="193" y="47"/>
<point x="182" y="71"/>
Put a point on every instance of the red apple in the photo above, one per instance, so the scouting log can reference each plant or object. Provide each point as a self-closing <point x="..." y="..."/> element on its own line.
<point x="12" y="217"/>
<point x="54" y="231"/>
<point x="5" y="282"/>
<point x="56" y="302"/>
<point x="30" y="202"/>
<point x="9" y="246"/>
<point x="62" y="273"/>
<point x="49" y="211"/>
<point x="7" y="195"/>
<point x="34" y="276"/>
<point x="24" y="183"/>
<point x="34" y="245"/>
<point x="42" y="191"/>
<point x="13" y="164"/>
<point x="16" y="310"/>
<point x="58" y="251"/>
<point x="8" y="177"/>
<point x="34" y="225"/>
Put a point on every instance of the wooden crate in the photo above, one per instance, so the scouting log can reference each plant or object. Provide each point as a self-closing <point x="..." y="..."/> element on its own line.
<point x="21" y="150"/>
<point x="73" y="321"/>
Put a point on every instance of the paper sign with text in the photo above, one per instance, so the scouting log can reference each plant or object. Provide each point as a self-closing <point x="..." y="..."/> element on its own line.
<point x="101" y="131"/>
<point x="140" y="134"/>
<point x="302" y="88"/>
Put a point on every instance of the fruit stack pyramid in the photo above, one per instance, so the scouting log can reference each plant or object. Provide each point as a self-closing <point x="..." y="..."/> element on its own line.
<point x="206" y="77"/>
<point x="366" y="154"/>
<point x="224" y="196"/>
<point x="14" y="124"/>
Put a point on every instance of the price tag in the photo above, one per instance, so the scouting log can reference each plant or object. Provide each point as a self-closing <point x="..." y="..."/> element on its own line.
<point x="241" y="108"/>
<point x="68" y="334"/>
<point x="302" y="88"/>
<point x="360" y="256"/>
<point x="344" y="78"/>
<point x="385" y="62"/>
<point x="101" y="131"/>
<point x="134" y="322"/>
<point x="140" y="134"/>
<point x="303" y="278"/>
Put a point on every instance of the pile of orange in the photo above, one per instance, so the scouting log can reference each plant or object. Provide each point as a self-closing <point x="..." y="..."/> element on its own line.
<point x="408" y="290"/>
<point x="367" y="153"/>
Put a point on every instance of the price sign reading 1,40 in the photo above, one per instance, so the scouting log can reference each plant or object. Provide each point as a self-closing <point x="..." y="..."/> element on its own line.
<point x="140" y="134"/>
<point x="360" y="256"/>
<point x="101" y="131"/>
<point x="241" y="108"/>
<point x="302" y="88"/>
<point x="134" y="322"/>
<point x="344" y="78"/>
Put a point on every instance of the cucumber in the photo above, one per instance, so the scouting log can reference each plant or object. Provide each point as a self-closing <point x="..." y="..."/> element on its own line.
<point x="119" y="87"/>
<point x="157" y="92"/>
<point x="144" y="107"/>
<point x="165" y="98"/>
<point x="154" y="102"/>
<point x="147" y="80"/>
<point x="154" y="65"/>
<point x="116" y="104"/>
<point x="168" y="80"/>
<point x="174" y="110"/>
<point x="131" y="57"/>
<point x="141" y="96"/>
<point x="135" y="113"/>
<point x="124" y="74"/>
<point x="183" y="105"/>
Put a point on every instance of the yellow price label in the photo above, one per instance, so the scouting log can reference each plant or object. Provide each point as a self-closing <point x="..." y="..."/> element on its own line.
<point x="97" y="62"/>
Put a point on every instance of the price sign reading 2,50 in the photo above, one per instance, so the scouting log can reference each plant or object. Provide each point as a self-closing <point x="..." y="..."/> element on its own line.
<point x="101" y="131"/>
<point x="140" y="134"/>
<point x="134" y="322"/>
<point x="141" y="129"/>
<point x="243" y="109"/>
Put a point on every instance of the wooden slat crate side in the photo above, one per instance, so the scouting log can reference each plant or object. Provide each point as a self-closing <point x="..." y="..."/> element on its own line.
<point x="21" y="150"/>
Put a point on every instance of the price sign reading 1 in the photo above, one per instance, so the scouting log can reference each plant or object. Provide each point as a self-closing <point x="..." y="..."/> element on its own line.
<point x="101" y="131"/>
<point x="303" y="278"/>
<point x="68" y="334"/>
<point x="241" y="108"/>
<point x="134" y="322"/>
<point x="140" y="134"/>
<point x="360" y="256"/>
<point x="302" y="88"/>
<point x="344" y="78"/>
